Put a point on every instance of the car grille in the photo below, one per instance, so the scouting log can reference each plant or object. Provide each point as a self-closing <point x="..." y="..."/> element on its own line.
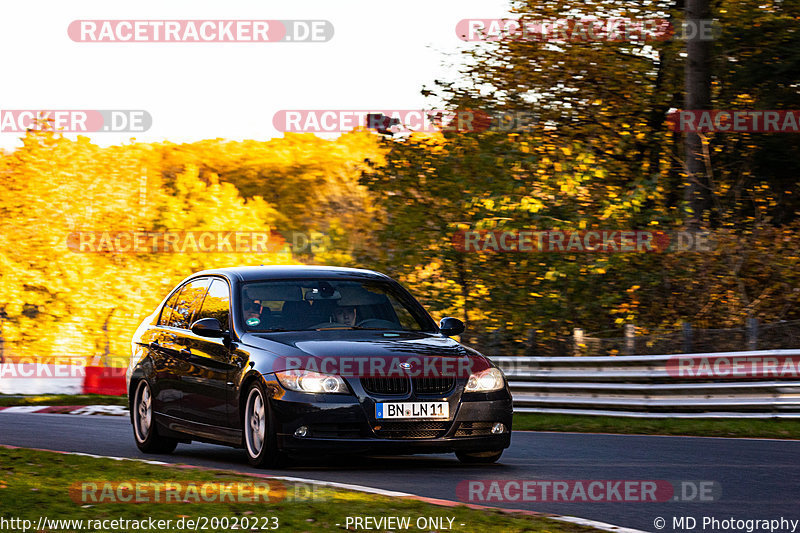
<point x="472" y="429"/>
<point x="400" y="386"/>
<point x="397" y="386"/>
<point x="434" y="385"/>
<point x="412" y="430"/>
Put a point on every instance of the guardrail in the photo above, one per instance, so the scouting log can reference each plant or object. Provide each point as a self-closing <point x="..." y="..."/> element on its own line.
<point x="629" y="386"/>
<point x="649" y="386"/>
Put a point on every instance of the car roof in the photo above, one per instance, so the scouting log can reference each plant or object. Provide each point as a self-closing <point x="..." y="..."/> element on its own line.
<point x="271" y="272"/>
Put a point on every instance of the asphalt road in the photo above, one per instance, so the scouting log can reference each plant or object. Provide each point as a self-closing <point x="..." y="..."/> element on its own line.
<point x="759" y="479"/>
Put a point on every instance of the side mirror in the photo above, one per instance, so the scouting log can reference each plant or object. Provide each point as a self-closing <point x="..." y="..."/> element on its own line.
<point x="450" y="326"/>
<point x="208" y="327"/>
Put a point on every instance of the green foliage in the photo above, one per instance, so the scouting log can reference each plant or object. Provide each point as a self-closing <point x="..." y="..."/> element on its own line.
<point x="599" y="155"/>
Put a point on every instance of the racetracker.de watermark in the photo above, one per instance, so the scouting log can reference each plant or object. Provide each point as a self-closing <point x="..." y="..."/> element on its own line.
<point x="75" y="120"/>
<point x="588" y="241"/>
<point x="735" y="121"/>
<point x="26" y="370"/>
<point x="143" y="242"/>
<point x="56" y="367"/>
<point x="384" y="120"/>
<point x="200" y="31"/>
<point x="150" y="491"/>
<point x="98" y="492"/>
<point x="587" y="490"/>
<point x="397" y="121"/>
<point x="585" y="29"/>
<point x="774" y="365"/>
<point x="181" y="242"/>
<point x="378" y="366"/>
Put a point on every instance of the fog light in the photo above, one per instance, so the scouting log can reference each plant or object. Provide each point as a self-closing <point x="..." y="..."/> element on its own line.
<point x="302" y="431"/>
<point x="498" y="428"/>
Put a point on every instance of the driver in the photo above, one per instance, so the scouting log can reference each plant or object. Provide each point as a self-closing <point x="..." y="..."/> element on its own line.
<point x="345" y="315"/>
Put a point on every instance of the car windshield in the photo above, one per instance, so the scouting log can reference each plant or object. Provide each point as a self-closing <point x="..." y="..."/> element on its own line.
<point x="320" y="304"/>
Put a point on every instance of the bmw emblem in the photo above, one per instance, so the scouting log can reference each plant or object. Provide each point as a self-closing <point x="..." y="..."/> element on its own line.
<point x="405" y="366"/>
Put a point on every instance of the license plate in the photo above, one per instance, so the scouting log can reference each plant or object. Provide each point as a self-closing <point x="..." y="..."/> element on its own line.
<point x="412" y="410"/>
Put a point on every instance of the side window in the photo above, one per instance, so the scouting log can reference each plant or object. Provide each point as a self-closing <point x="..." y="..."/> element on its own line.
<point x="188" y="300"/>
<point x="166" y="311"/>
<point x="216" y="304"/>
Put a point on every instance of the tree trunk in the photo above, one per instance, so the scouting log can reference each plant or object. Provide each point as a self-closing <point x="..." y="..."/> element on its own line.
<point x="698" y="96"/>
<point x="461" y="273"/>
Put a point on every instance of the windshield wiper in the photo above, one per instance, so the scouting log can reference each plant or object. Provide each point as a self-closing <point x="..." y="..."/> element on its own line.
<point x="346" y="328"/>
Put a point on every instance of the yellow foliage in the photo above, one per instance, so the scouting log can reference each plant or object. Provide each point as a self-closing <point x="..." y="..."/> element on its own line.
<point x="62" y="302"/>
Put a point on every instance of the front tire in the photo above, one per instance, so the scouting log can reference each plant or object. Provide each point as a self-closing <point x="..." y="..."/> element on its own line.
<point x="483" y="458"/>
<point x="144" y="427"/>
<point x="259" y="434"/>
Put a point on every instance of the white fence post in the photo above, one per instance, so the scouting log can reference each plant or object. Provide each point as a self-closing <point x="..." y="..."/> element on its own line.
<point x="577" y="335"/>
<point x="630" y="341"/>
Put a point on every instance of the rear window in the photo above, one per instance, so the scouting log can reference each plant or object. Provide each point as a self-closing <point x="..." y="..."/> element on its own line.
<point x="189" y="298"/>
<point x="167" y="310"/>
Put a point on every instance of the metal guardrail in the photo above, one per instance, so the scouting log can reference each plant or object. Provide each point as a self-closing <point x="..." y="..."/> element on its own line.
<point x="643" y="387"/>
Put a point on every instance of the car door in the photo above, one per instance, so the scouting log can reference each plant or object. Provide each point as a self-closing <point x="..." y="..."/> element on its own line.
<point x="160" y="345"/>
<point x="208" y="364"/>
<point x="173" y="346"/>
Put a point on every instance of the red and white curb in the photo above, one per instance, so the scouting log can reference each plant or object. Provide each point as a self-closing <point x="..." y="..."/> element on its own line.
<point x="602" y="526"/>
<point x="86" y="410"/>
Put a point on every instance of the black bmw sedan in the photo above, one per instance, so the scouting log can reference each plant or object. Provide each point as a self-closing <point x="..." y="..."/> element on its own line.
<point x="283" y="360"/>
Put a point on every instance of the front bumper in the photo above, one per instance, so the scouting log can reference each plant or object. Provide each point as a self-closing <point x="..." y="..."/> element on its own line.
<point x="341" y="424"/>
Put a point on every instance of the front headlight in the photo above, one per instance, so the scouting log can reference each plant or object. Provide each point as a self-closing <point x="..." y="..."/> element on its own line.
<point x="305" y="381"/>
<point x="487" y="380"/>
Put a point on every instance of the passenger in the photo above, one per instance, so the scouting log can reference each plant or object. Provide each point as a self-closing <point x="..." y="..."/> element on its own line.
<point x="345" y="315"/>
<point x="252" y="310"/>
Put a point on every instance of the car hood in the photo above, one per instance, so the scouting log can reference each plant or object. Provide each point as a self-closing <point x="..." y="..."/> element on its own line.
<point x="335" y="349"/>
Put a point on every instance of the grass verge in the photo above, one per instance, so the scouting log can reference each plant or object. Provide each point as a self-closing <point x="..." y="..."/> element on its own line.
<point x="741" y="427"/>
<point x="35" y="484"/>
<point x="62" y="399"/>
